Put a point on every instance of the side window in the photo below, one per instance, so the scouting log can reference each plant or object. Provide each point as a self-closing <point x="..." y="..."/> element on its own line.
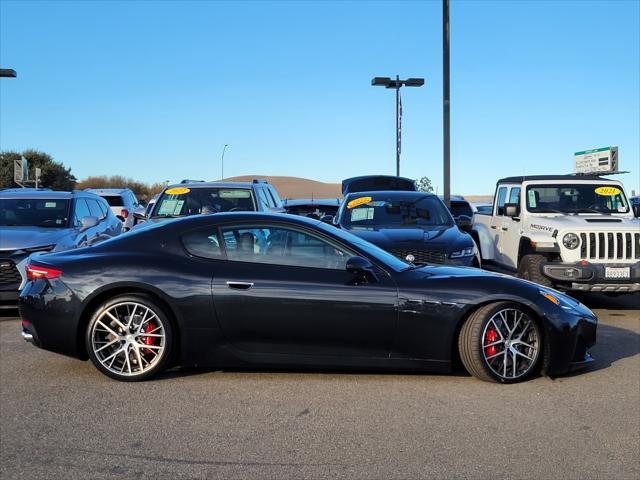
<point x="94" y="208"/>
<point x="262" y="198"/>
<point x="134" y="199"/>
<point x="276" y="198"/>
<point x="81" y="211"/>
<point x="105" y="208"/>
<point x="203" y="242"/>
<point x="514" y="196"/>
<point x="502" y="196"/>
<point x="282" y="246"/>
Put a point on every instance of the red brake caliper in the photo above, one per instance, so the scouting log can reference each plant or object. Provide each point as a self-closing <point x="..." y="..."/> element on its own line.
<point x="149" y="340"/>
<point x="490" y="337"/>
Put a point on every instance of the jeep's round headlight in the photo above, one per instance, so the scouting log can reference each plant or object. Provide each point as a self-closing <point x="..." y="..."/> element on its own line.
<point x="571" y="241"/>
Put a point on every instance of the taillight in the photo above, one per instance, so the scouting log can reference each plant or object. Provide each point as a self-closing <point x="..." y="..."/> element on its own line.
<point x="124" y="213"/>
<point x="36" y="272"/>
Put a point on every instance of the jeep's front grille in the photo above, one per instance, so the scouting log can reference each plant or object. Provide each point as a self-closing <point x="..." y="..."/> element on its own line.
<point x="420" y="256"/>
<point x="610" y="246"/>
<point x="9" y="273"/>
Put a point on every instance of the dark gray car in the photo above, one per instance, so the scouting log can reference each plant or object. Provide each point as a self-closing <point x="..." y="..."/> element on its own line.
<point x="37" y="220"/>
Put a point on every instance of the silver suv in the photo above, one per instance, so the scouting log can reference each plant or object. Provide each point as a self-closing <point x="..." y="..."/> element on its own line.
<point x="122" y="201"/>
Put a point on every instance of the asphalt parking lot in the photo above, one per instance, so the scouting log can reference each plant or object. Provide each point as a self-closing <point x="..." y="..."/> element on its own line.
<point x="60" y="418"/>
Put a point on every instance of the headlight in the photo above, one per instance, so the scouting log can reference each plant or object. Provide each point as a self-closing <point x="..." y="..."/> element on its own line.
<point x="465" y="252"/>
<point x="571" y="241"/>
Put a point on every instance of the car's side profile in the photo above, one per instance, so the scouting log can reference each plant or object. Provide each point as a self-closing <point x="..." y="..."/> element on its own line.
<point x="241" y="289"/>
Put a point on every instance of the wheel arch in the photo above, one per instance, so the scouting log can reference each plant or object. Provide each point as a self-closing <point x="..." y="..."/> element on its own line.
<point x="92" y="303"/>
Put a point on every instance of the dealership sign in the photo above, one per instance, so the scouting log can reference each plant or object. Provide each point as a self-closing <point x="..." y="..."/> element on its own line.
<point x="598" y="160"/>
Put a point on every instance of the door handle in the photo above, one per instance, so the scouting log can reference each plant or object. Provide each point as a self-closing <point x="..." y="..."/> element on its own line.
<point x="504" y="229"/>
<point x="494" y="227"/>
<point x="240" y="285"/>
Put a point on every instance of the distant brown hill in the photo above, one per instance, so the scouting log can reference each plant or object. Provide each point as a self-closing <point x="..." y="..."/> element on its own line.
<point x="295" y="187"/>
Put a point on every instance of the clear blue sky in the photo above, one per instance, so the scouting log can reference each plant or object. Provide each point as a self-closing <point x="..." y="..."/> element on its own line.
<point x="154" y="89"/>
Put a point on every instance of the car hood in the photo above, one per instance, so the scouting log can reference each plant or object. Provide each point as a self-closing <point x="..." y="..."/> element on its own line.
<point x="15" y="238"/>
<point x="440" y="237"/>
<point x="581" y="222"/>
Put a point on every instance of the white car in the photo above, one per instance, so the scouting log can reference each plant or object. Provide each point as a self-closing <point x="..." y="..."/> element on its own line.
<point x="573" y="232"/>
<point x="122" y="202"/>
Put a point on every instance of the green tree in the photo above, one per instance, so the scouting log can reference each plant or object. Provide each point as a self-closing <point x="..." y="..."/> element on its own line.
<point x="54" y="174"/>
<point x="424" y="185"/>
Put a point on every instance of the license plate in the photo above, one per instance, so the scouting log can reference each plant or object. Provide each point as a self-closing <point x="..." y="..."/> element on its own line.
<point x="617" y="272"/>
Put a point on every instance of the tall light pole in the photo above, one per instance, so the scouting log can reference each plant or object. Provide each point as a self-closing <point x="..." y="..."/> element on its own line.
<point x="223" y="150"/>
<point x="397" y="84"/>
<point x="446" y="134"/>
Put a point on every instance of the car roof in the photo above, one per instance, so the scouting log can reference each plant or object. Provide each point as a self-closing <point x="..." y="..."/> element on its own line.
<point x="218" y="184"/>
<point x="193" y="221"/>
<point x="33" y="193"/>
<point x="107" y="191"/>
<point x="392" y="194"/>
<point x="537" y="178"/>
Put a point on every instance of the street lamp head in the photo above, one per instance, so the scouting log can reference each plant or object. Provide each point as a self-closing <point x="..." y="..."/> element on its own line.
<point x="381" y="81"/>
<point x="414" y="82"/>
<point x="7" y="72"/>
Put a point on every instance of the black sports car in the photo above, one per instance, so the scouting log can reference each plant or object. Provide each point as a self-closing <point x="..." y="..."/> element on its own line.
<point x="413" y="226"/>
<point x="237" y="289"/>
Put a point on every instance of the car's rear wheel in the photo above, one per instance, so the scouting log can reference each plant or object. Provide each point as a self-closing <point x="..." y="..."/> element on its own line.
<point x="129" y="338"/>
<point x="501" y="342"/>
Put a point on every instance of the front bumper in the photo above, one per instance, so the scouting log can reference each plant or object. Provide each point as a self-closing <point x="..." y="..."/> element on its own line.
<point x="591" y="277"/>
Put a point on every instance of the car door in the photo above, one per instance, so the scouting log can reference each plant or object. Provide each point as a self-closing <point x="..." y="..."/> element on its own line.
<point x="496" y="222"/>
<point x="285" y="290"/>
<point x="510" y="233"/>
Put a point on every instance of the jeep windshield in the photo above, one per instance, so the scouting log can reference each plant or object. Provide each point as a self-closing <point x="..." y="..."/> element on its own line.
<point x="576" y="198"/>
<point x="184" y="201"/>
<point x="382" y="211"/>
<point x="32" y="212"/>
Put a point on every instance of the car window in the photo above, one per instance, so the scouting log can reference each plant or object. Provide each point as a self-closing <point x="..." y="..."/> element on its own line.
<point x="276" y="198"/>
<point x="461" y="208"/>
<point x="203" y="242"/>
<point x="104" y="208"/>
<point x="182" y="201"/>
<point x="382" y="209"/>
<point x="514" y="196"/>
<point x="502" y="196"/>
<point x="262" y="198"/>
<point x="34" y="212"/>
<point x="114" y="200"/>
<point x="81" y="211"/>
<point x="94" y="208"/>
<point x="282" y="246"/>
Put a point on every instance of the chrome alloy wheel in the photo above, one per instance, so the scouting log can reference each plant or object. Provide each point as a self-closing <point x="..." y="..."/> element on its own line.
<point x="128" y="338"/>
<point x="511" y="343"/>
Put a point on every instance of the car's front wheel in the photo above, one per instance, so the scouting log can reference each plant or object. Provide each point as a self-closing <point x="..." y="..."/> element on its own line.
<point x="129" y="338"/>
<point x="501" y="342"/>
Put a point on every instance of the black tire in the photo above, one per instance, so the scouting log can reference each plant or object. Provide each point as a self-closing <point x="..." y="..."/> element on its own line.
<point x="530" y="268"/>
<point x="470" y="344"/>
<point x="160" y="321"/>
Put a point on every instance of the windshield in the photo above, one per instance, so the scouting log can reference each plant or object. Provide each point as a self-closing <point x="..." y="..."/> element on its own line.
<point x="182" y="201"/>
<point x="461" y="208"/>
<point x="32" y="212"/>
<point x="382" y="256"/>
<point x="576" y="198"/>
<point x="384" y="211"/>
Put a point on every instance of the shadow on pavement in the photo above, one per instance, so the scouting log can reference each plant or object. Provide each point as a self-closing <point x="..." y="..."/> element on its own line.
<point x="9" y="314"/>
<point x="629" y="301"/>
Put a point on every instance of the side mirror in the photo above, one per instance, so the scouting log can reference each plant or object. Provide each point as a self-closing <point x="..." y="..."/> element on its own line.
<point x="636" y="210"/>
<point x="511" y="209"/>
<point x="464" y="223"/>
<point x="88" y="222"/>
<point x="327" y="219"/>
<point x="362" y="269"/>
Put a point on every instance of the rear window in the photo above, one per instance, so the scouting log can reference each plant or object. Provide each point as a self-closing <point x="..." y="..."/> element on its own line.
<point x="461" y="208"/>
<point x="113" y="200"/>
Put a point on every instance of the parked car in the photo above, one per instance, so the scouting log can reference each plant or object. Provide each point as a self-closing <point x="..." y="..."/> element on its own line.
<point x="143" y="212"/>
<point x="39" y="220"/>
<point x="122" y="201"/>
<point x="574" y="232"/>
<point x="194" y="198"/>
<point x="460" y="206"/>
<point x="243" y="289"/>
<point x="312" y="207"/>
<point x="413" y="226"/>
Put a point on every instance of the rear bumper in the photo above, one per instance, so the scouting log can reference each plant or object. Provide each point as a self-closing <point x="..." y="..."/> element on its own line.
<point x="591" y="277"/>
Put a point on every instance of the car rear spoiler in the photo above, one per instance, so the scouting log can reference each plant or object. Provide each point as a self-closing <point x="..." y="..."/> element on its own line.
<point x="370" y="183"/>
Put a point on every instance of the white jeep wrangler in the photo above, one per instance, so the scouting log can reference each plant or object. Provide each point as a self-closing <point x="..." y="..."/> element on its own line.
<point x="573" y="232"/>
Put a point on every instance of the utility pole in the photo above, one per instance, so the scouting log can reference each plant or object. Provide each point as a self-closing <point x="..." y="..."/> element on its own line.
<point x="446" y="105"/>
<point x="223" y="150"/>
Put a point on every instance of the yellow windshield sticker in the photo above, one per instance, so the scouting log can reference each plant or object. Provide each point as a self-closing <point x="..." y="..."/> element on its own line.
<point x="608" y="191"/>
<point x="177" y="191"/>
<point x="358" y="201"/>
